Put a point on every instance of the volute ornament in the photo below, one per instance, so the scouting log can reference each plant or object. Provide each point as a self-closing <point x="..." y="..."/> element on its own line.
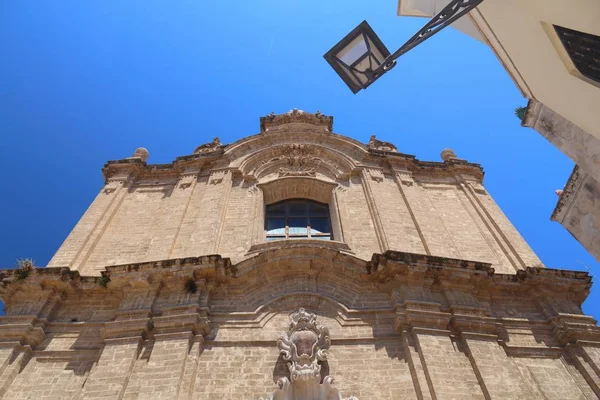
<point x="375" y="144"/>
<point x="303" y="347"/>
<point x="209" y="147"/>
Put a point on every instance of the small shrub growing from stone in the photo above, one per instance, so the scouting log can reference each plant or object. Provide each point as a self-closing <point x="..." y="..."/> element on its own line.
<point x="24" y="268"/>
<point x="190" y="286"/>
<point x="103" y="281"/>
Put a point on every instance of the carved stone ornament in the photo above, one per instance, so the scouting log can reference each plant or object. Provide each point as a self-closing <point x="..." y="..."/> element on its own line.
<point x="303" y="346"/>
<point x="296" y="156"/>
<point x="209" y="147"/>
<point x="380" y="145"/>
<point x="296" y="116"/>
<point x="376" y="174"/>
<point x="405" y="178"/>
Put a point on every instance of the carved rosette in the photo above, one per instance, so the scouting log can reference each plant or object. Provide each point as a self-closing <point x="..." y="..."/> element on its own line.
<point x="303" y="346"/>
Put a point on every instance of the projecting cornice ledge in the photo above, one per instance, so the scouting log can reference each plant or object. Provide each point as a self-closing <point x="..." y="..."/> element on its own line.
<point x="394" y="265"/>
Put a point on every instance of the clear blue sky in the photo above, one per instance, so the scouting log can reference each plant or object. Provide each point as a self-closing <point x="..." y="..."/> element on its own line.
<point x="83" y="82"/>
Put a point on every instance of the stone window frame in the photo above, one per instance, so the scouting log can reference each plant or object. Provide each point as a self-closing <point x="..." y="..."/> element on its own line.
<point x="307" y="212"/>
<point x="287" y="188"/>
<point x="563" y="52"/>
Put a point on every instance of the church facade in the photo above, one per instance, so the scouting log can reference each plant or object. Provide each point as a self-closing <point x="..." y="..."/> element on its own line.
<point x="296" y="263"/>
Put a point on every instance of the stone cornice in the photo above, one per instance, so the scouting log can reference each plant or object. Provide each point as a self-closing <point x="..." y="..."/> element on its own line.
<point x="405" y="267"/>
<point x="570" y="191"/>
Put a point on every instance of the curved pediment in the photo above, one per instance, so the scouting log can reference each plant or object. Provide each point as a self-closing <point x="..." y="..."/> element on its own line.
<point x="296" y="160"/>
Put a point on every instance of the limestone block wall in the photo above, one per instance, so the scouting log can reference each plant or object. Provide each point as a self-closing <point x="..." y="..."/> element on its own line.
<point x="214" y="202"/>
<point x="402" y="325"/>
<point x="578" y="210"/>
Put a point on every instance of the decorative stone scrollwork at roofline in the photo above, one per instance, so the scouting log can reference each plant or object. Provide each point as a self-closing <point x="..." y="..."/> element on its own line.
<point x="296" y="116"/>
<point x="380" y="145"/>
<point x="209" y="147"/>
<point x="291" y="160"/>
<point x="303" y="347"/>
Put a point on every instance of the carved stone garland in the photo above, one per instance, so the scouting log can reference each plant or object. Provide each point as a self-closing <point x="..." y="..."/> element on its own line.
<point x="303" y="346"/>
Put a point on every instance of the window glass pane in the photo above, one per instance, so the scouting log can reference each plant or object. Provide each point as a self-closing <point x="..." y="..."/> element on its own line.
<point x="297" y="209"/>
<point x="319" y="225"/>
<point x="276" y="226"/>
<point x="271" y="238"/>
<point x="276" y="210"/>
<point x="298" y="226"/>
<point x="319" y="210"/>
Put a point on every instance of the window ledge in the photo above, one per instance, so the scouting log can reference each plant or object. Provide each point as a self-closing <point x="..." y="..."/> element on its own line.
<point x="297" y="243"/>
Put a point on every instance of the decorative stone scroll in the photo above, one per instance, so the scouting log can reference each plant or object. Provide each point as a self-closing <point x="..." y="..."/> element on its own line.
<point x="296" y="157"/>
<point x="303" y="346"/>
<point x="380" y="145"/>
<point x="209" y="147"/>
<point x="296" y="116"/>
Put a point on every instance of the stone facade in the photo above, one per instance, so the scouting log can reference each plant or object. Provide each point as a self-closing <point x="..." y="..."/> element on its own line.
<point x="168" y="289"/>
<point x="578" y="209"/>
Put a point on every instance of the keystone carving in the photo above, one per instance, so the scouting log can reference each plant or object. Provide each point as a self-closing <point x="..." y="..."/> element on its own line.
<point x="296" y="156"/>
<point x="303" y="346"/>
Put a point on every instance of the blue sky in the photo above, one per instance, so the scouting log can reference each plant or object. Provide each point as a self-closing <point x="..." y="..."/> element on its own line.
<point x="85" y="82"/>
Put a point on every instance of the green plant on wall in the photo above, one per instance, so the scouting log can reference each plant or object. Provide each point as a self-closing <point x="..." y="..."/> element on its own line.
<point x="103" y="281"/>
<point x="520" y="112"/>
<point x="24" y="268"/>
<point x="190" y="286"/>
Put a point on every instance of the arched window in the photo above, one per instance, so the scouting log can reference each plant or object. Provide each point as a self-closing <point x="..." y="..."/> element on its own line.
<point x="298" y="219"/>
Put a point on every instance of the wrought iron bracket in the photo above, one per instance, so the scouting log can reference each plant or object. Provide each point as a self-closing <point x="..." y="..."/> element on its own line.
<point x="453" y="11"/>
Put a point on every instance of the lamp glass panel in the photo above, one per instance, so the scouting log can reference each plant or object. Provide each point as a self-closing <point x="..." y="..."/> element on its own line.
<point x="376" y="54"/>
<point x="353" y="51"/>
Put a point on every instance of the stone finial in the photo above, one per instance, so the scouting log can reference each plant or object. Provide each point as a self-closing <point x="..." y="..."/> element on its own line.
<point x="141" y="153"/>
<point x="448" y="154"/>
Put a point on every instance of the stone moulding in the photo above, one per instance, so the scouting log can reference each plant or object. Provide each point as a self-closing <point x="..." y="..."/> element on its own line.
<point x="570" y="191"/>
<point x="304" y="346"/>
<point x="409" y="279"/>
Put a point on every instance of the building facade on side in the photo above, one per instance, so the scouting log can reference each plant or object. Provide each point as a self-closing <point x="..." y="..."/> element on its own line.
<point x="551" y="50"/>
<point x="267" y="267"/>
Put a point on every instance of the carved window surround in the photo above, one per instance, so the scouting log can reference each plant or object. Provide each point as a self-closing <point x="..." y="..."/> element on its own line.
<point x="285" y="188"/>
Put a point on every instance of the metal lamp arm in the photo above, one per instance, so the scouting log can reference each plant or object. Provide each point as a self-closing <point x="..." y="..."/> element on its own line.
<point x="453" y="11"/>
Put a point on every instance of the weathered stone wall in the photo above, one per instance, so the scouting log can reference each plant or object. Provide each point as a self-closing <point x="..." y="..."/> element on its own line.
<point x="578" y="210"/>
<point x="213" y="203"/>
<point x="415" y="327"/>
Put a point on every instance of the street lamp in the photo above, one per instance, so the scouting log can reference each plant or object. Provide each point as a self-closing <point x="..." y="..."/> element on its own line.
<point x="360" y="58"/>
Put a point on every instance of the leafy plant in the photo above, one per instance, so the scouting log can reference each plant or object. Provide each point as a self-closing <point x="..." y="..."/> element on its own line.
<point x="24" y="268"/>
<point x="190" y="286"/>
<point x="103" y="281"/>
<point x="520" y="112"/>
